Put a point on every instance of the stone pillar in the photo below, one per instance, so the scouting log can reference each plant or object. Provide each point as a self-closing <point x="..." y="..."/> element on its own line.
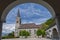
<point x="58" y="25"/>
<point x="0" y="29"/>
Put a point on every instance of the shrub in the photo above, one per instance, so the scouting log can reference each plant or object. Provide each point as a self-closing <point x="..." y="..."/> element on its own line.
<point x="38" y="32"/>
<point x="3" y="37"/>
<point x="24" y="33"/>
<point x="10" y="35"/>
<point x="27" y="34"/>
<point x="43" y="33"/>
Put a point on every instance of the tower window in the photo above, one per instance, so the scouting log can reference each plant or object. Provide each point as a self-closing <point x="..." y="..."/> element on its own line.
<point x="17" y="21"/>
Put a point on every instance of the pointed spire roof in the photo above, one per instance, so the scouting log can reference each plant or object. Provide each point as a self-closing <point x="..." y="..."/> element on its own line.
<point x="18" y="14"/>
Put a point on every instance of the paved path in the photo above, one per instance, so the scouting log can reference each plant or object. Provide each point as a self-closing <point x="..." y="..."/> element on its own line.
<point x="28" y="39"/>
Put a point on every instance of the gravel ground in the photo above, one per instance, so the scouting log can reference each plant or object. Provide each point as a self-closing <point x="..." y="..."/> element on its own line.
<point x="28" y="39"/>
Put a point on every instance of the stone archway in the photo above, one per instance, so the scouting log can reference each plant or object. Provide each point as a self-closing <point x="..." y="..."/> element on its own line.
<point x="53" y="3"/>
<point x="55" y="35"/>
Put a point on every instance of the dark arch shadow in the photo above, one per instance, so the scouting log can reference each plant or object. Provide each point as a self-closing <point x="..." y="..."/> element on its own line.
<point x="55" y="35"/>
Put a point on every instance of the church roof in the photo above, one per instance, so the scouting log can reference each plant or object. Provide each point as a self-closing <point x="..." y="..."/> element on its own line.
<point x="29" y="26"/>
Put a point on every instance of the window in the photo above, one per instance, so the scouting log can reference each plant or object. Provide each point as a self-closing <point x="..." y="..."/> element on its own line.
<point x="49" y="30"/>
<point x="30" y="31"/>
<point x="34" y="31"/>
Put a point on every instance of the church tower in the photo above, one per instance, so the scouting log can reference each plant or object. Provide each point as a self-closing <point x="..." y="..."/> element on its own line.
<point x="18" y="22"/>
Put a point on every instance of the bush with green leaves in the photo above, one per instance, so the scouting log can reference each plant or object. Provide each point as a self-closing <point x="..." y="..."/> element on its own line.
<point x="39" y="32"/>
<point x="24" y="33"/>
<point x="4" y="37"/>
<point x="48" y="23"/>
<point x="43" y="33"/>
<point x="10" y="35"/>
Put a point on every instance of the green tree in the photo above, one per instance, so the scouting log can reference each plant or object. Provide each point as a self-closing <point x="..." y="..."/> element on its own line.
<point x="43" y="33"/>
<point x="44" y="26"/>
<point x="27" y="34"/>
<point x="24" y="33"/>
<point x="10" y="35"/>
<point x="39" y="32"/>
<point x="21" y="33"/>
<point x="48" y="23"/>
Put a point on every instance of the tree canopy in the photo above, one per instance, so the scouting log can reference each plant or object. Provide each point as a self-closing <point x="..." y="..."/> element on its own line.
<point x="48" y="23"/>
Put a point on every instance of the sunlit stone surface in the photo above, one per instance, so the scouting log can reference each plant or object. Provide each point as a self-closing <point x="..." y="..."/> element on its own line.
<point x="28" y="39"/>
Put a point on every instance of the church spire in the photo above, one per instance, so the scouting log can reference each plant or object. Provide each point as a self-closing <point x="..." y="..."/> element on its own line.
<point x="18" y="14"/>
<point x="18" y="23"/>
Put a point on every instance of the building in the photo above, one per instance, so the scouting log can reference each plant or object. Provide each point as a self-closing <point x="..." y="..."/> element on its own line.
<point x="30" y="27"/>
<point x="52" y="32"/>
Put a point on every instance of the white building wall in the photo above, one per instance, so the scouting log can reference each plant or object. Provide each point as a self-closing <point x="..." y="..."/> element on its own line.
<point x="50" y="30"/>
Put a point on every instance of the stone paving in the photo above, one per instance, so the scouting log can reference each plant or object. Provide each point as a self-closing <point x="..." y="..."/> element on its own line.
<point x="28" y="39"/>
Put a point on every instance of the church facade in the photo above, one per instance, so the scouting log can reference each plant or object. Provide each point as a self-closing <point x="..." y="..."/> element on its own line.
<point x="30" y="27"/>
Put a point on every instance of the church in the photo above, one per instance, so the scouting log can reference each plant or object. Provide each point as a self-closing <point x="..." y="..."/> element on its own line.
<point x="30" y="27"/>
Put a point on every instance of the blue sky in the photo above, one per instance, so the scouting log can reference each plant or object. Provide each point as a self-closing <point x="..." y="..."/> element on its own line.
<point x="30" y="13"/>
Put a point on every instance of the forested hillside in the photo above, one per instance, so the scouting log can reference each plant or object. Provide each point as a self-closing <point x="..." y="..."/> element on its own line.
<point x="48" y="24"/>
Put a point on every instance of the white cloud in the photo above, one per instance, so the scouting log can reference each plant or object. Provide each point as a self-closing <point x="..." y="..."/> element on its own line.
<point x="36" y="21"/>
<point x="7" y="28"/>
<point x="25" y="22"/>
<point x="30" y="11"/>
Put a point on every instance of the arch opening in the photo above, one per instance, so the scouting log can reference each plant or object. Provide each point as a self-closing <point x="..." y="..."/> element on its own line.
<point x="55" y="35"/>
